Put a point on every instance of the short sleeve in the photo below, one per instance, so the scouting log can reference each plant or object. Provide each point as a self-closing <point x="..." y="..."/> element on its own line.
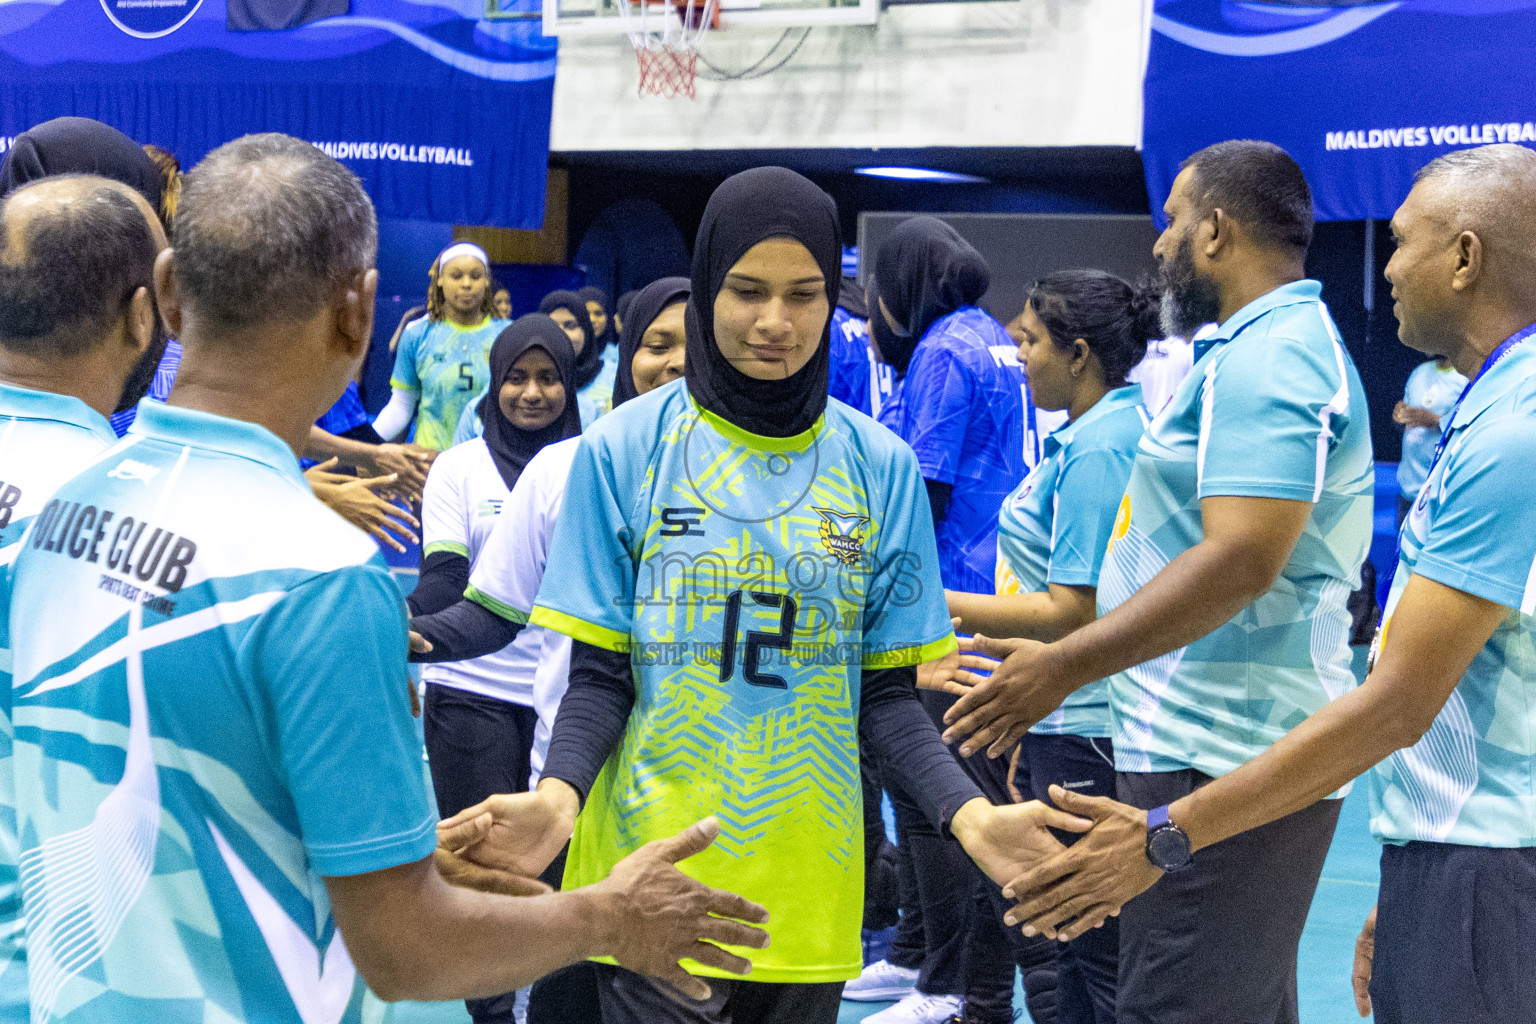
<point x="1269" y="409"/>
<point x="906" y="619"/>
<point x="939" y="404"/>
<point x="588" y="593"/>
<point x="444" y="517"/>
<point x="404" y="377"/>
<point x="328" y="660"/>
<point x="508" y="572"/>
<point x="1482" y="539"/>
<point x="1088" y="494"/>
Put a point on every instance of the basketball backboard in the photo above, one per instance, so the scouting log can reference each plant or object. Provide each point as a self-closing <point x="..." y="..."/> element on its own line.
<point x="605" y="17"/>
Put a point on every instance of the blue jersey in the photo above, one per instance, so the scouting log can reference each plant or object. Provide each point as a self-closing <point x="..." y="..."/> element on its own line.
<point x="1468" y="780"/>
<point x="856" y="377"/>
<point x="1272" y="409"/>
<point x="1055" y="527"/>
<point x="44" y="440"/>
<point x="446" y="365"/>
<point x="751" y="580"/>
<point x="1436" y="388"/>
<point x="592" y="401"/>
<point x="962" y="409"/>
<point x="211" y="714"/>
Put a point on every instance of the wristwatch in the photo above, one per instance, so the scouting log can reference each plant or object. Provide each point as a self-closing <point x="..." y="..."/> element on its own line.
<point x="1167" y="844"/>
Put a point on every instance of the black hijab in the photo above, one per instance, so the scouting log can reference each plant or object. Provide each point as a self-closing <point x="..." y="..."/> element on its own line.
<point x="621" y="307"/>
<point x="592" y="293"/>
<point x="591" y="359"/>
<point x="78" y="145"/>
<point x="644" y="308"/>
<point x="512" y="447"/>
<point x="748" y="208"/>
<point x="924" y="270"/>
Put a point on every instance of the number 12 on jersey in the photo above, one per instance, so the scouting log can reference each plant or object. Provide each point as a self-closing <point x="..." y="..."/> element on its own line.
<point x="757" y="640"/>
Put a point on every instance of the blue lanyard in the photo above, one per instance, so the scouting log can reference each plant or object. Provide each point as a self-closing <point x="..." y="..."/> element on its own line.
<point x="1503" y="350"/>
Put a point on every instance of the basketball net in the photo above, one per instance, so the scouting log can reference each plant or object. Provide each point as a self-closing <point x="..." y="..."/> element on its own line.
<point x="666" y="37"/>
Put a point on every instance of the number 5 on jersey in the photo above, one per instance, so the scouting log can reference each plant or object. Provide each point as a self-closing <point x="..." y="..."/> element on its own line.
<point x="757" y="640"/>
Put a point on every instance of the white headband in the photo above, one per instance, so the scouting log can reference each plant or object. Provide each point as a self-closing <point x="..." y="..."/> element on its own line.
<point x="458" y="249"/>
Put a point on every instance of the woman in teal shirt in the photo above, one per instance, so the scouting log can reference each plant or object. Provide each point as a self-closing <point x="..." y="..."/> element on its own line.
<point x="1080" y="333"/>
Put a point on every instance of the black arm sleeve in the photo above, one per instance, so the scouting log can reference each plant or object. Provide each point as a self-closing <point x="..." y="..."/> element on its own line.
<point x="898" y="732"/>
<point x="462" y="631"/>
<point x="938" y="498"/>
<point x="444" y="578"/>
<point x="592" y="716"/>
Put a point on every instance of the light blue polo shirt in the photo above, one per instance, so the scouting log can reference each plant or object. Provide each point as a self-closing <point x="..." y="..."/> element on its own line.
<point x="1471" y="779"/>
<point x="1273" y="408"/>
<point x="1436" y="388"/>
<point x="211" y="714"/>
<point x="45" y="439"/>
<point x="1055" y="527"/>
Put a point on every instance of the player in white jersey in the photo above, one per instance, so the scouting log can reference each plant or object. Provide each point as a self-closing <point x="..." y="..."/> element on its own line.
<point x="479" y="716"/>
<point x="251" y="789"/>
<point x="77" y="315"/>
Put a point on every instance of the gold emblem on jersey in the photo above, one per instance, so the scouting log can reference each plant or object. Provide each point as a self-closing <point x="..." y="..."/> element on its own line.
<point x="1122" y="522"/>
<point x="842" y="534"/>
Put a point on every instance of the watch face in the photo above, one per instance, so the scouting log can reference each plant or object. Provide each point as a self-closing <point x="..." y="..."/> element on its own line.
<point x="1168" y="848"/>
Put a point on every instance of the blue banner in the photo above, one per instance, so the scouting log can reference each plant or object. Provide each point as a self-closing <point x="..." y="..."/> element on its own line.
<point x="441" y="110"/>
<point x="1361" y="94"/>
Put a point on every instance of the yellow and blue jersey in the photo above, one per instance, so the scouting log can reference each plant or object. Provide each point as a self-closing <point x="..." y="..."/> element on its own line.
<point x="962" y="407"/>
<point x="1468" y="780"/>
<point x="448" y="367"/>
<point x="1272" y="409"/>
<point x="1056" y="526"/>
<point x="211" y="714"/>
<point x="751" y="580"/>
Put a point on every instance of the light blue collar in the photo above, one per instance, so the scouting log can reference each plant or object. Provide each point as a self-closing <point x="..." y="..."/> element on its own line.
<point x="176" y="425"/>
<point x="1508" y="372"/>
<point x="1127" y="397"/>
<point x="1295" y="293"/>
<point x="27" y="404"/>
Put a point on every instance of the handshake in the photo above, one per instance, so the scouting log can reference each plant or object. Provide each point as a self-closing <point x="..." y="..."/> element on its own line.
<point x="653" y="915"/>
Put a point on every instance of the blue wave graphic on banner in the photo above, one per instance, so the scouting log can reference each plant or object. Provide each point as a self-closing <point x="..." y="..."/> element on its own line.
<point x="1237" y="29"/>
<point x="366" y="80"/>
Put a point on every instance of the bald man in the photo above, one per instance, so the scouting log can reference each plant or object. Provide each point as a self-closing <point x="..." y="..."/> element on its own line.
<point x="77" y="320"/>
<point x="1447" y="716"/>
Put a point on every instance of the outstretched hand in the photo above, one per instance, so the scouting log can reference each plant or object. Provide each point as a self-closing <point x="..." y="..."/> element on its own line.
<point x="1365" y="960"/>
<point x="524" y="833"/>
<point x="1083" y="885"/>
<point x="1005" y="841"/>
<point x="995" y="712"/>
<point x="362" y="503"/>
<point x="943" y="674"/>
<point x="662" y="917"/>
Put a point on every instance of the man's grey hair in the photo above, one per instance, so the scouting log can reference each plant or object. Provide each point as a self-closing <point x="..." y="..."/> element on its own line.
<point x="268" y="226"/>
<point x="1491" y="191"/>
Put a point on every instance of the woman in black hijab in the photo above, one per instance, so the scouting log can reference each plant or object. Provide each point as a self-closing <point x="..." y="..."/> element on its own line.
<point x="746" y="466"/>
<point x="923" y="271"/>
<point x="79" y="145"/>
<point x="756" y="393"/>
<point x="569" y="310"/>
<point x="644" y="307"/>
<point x="597" y="311"/>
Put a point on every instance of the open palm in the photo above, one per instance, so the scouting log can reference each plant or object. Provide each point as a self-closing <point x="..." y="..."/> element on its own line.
<point x="1016" y="837"/>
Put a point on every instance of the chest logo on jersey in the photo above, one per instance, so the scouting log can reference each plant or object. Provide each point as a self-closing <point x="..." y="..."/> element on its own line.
<point x="131" y="470"/>
<point x="842" y="534"/>
<point x="1122" y="522"/>
<point x="489" y="507"/>
<point x="681" y="522"/>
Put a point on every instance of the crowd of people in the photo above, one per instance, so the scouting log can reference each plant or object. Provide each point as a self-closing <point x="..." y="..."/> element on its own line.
<point x="710" y="574"/>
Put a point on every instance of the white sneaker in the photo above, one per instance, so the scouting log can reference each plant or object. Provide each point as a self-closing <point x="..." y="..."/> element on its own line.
<point x="881" y="980"/>
<point x="919" y="1008"/>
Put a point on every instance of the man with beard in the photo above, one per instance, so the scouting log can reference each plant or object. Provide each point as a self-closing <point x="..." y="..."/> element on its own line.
<point x="77" y="321"/>
<point x="1222" y="619"/>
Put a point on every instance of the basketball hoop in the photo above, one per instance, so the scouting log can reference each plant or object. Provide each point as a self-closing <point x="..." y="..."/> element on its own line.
<point x="666" y="37"/>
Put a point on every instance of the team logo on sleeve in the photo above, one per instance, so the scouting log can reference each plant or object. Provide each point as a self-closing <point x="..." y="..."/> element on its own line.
<point x="842" y="534"/>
